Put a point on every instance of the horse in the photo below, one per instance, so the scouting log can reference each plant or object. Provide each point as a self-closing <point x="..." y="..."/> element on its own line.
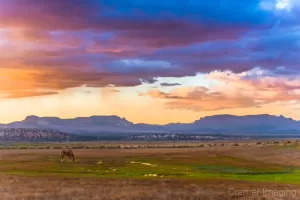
<point x="68" y="153"/>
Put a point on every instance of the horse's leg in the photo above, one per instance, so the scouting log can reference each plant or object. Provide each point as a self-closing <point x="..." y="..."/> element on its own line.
<point x="62" y="156"/>
<point x="70" y="156"/>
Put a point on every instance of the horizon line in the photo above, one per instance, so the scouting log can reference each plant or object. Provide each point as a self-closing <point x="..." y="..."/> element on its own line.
<point x="71" y="118"/>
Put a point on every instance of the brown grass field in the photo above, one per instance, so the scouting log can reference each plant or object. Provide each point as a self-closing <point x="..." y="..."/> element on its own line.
<point x="249" y="170"/>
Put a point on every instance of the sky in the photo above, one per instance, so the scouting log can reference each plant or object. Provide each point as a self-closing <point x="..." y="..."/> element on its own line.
<point x="149" y="61"/>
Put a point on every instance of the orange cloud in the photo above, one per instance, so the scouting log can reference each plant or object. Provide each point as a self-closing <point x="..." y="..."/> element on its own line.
<point x="22" y="82"/>
<point x="200" y="99"/>
<point x="21" y="94"/>
<point x="231" y="91"/>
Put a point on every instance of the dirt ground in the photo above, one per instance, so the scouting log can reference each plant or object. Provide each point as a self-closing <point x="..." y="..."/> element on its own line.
<point x="45" y="188"/>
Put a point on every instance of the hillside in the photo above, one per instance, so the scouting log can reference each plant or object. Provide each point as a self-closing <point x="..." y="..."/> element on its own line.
<point x="34" y="134"/>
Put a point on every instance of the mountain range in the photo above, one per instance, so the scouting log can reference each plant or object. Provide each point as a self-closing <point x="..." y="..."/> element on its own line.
<point x="101" y="125"/>
<point x="34" y="134"/>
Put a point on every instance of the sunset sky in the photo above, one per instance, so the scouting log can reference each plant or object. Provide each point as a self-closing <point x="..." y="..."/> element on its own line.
<point x="147" y="60"/>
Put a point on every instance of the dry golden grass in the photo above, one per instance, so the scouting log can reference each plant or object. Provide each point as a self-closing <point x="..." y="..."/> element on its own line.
<point x="54" y="188"/>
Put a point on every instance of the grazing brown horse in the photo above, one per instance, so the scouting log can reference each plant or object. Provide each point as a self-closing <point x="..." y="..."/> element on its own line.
<point x="68" y="153"/>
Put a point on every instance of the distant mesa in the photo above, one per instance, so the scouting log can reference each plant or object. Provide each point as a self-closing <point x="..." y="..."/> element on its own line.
<point x="99" y="125"/>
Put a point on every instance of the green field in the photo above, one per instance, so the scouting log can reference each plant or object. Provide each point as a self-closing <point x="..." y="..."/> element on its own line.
<point x="149" y="170"/>
<point x="163" y="164"/>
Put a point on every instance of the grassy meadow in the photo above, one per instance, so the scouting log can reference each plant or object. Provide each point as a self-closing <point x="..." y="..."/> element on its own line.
<point x="213" y="168"/>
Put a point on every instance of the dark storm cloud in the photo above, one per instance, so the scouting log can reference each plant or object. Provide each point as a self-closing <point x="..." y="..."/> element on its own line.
<point x="127" y="42"/>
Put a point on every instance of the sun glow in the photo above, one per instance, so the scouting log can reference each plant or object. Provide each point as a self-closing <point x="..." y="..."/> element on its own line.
<point x="278" y="5"/>
<point x="283" y="5"/>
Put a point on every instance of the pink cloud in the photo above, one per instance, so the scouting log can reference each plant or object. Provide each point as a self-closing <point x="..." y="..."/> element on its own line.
<point x="231" y="91"/>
